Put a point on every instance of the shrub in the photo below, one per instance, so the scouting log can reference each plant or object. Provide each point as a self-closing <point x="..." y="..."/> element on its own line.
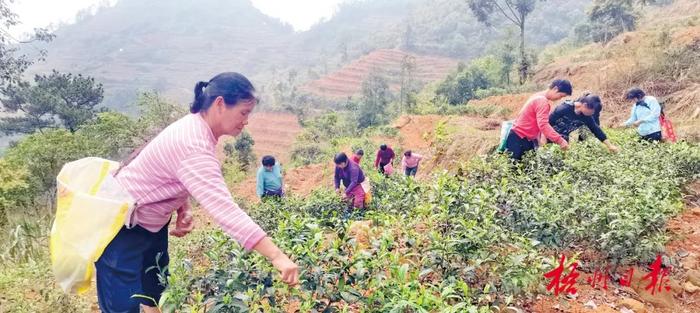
<point x="461" y="87"/>
<point x="13" y="188"/>
<point x="464" y="240"/>
<point x="242" y="151"/>
<point x="43" y="155"/>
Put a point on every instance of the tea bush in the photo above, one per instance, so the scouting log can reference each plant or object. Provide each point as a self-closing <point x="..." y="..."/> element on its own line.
<point x="464" y="241"/>
<point x="586" y="197"/>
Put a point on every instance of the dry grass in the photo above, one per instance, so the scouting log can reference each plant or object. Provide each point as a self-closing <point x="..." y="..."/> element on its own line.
<point x="662" y="57"/>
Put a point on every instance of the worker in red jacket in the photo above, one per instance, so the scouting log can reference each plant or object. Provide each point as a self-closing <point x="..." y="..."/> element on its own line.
<point x="385" y="155"/>
<point x="357" y="156"/>
<point x="533" y="120"/>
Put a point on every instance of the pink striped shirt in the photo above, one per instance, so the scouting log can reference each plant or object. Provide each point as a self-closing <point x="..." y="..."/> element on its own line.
<point x="411" y="161"/>
<point x="177" y="163"/>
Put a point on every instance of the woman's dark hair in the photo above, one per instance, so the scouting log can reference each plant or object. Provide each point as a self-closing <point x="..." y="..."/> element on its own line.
<point x="383" y="147"/>
<point x="340" y="158"/>
<point x="583" y="95"/>
<point x="233" y="87"/>
<point x="360" y="152"/>
<point x="592" y="102"/>
<point x="407" y="153"/>
<point x="635" y="93"/>
<point x="562" y="85"/>
<point x="268" y="160"/>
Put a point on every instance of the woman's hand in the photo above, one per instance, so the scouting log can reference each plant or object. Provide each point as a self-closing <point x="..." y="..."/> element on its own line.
<point x="184" y="223"/>
<point x="288" y="269"/>
<point x="564" y="145"/>
<point x="611" y="147"/>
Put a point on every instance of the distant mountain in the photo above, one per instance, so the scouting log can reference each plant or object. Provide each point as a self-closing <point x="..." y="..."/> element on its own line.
<point x="431" y="27"/>
<point x="168" y="45"/>
<point x="357" y="28"/>
<point x="437" y="34"/>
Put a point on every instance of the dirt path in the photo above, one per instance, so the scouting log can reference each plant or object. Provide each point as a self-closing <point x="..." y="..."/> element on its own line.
<point x="462" y="138"/>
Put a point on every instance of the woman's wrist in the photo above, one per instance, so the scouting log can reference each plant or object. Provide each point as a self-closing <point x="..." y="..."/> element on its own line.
<point x="268" y="249"/>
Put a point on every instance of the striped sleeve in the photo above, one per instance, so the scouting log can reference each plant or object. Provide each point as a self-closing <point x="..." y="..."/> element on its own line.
<point x="185" y="207"/>
<point x="200" y="173"/>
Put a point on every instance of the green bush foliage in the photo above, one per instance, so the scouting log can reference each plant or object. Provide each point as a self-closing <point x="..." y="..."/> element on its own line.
<point x="461" y="242"/>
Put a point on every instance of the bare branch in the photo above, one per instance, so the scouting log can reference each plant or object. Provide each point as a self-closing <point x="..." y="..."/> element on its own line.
<point x="517" y="16"/>
<point x="505" y="13"/>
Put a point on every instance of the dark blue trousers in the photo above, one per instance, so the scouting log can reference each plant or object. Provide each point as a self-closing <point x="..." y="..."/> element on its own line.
<point x="517" y="146"/>
<point x="653" y="137"/>
<point x="127" y="271"/>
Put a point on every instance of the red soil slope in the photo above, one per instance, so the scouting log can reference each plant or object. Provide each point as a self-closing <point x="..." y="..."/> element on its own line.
<point x="273" y="133"/>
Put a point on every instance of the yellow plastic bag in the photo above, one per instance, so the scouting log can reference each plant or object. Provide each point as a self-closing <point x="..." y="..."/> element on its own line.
<point x="91" y="209"/>
<point x="368" y="192"/>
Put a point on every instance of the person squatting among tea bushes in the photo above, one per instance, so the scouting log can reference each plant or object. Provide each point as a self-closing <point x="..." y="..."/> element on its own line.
<point x="269" y="178"/>
<point x="352" y="177"/>
<point x="178" y="163"/>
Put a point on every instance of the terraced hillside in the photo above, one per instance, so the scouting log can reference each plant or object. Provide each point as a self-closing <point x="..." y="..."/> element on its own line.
<point x="347" y="81"/>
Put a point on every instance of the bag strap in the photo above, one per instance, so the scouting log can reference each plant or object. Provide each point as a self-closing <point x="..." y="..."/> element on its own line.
<point x="135" y="153"/>
<point x="131" y="219"/>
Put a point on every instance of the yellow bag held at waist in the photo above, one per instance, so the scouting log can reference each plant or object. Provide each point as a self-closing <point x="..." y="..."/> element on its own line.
<point x="368" y="191"/>
<point x="91" y="209"/>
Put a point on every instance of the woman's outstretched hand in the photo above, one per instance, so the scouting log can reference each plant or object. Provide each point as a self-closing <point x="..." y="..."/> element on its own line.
<point x="287" y="268"/>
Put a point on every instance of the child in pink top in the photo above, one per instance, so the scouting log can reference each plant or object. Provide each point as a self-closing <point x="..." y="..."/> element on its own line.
<point x="409" y="162"/>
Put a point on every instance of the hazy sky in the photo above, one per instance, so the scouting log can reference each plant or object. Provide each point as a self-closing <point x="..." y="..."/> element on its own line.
<point x="301" y="14"/>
